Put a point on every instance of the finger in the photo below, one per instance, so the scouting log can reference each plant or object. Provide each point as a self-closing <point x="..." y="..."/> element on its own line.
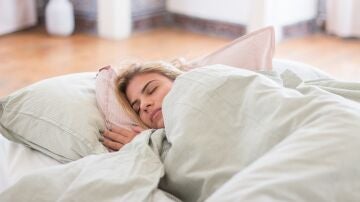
<point x="101" y="139"/>
<point x="116" y="137"/>
<point x="121" y="130"/>
<point x="112" y="145"/>
<point x="110" y="150"/>
<point x="137" y="129"/>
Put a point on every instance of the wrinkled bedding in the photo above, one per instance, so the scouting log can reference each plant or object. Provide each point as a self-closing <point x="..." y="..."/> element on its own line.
<point x="130" y="175"/>
<point x="230" y="135"/>
<point x="223" y="121"/>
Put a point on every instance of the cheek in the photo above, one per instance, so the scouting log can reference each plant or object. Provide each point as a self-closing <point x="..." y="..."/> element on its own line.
<point x="146" y="119"/>
<point x="161" y="123"/>
<point x="165" y="92"/>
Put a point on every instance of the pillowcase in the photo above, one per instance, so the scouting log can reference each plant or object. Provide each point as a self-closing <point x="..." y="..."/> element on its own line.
<point x="253" y="51"/>
<point x="112" y="111"/>
<point x="56" y="116"/>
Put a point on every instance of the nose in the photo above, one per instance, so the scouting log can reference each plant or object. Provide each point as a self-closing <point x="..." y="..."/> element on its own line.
<point x="146" y="104"/>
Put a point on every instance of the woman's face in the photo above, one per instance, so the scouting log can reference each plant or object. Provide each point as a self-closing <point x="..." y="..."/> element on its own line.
<point x="145" y="93"/>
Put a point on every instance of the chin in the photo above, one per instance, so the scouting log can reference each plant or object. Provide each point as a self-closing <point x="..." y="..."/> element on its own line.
<point x="160" y="124"/>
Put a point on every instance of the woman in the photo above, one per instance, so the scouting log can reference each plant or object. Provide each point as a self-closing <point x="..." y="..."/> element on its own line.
<point x="141" y="89"/>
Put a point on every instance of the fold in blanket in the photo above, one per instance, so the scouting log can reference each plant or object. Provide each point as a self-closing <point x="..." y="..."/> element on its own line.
<point x="292" y="143"/>
<point x="131" y="174"/>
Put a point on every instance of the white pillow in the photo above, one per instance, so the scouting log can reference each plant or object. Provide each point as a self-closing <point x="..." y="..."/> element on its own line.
<point x="56" y="116"/>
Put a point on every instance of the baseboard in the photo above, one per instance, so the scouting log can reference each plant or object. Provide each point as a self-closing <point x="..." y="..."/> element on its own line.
<point x="88" y="24"/>
<point x="209" y="27"/>
<point x="150" y="21"/>
<point x="303" y="28"/>
<point x="82" y="24"/>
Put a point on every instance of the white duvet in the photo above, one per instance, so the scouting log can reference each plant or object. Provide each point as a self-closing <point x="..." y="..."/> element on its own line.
<point x="17" y="160"/>
<point x="230" y="135"/>
<point x="130" y="175"/>
<point x="283" y="144"/>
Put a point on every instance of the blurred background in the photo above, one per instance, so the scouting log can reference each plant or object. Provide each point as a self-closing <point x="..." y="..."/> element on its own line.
<point x="44" y="38"/>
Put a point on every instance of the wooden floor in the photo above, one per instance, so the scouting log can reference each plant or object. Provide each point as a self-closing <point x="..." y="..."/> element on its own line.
<point x="32" y="55"/>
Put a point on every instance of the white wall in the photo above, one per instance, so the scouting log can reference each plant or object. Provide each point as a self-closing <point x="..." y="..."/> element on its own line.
<point x="253" y="14"/>
<point x="234" y="11"/>
<point x="16" y="15"/>
<point x="114" y="18"/>
<point x="280" y="13"/>
<point x="343" y="18"/>
<point x="289" y="12"/>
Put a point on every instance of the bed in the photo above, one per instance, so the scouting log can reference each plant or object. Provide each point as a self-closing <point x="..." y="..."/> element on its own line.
<point x="286" y="133"/>
<point x="18" y="160"/>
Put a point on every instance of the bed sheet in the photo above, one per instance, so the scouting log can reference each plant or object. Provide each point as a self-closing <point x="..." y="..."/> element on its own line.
<point x="17" y="160"/>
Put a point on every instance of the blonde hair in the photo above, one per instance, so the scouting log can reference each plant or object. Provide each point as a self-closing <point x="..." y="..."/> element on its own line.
<point x="170" y="70"/>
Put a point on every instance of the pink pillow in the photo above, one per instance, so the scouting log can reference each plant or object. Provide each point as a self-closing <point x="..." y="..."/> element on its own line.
<point x="252" y="51"/>
<point x="107" y="101"/>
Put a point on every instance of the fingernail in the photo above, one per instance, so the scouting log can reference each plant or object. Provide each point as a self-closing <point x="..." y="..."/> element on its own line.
<point x="101" y="139"/>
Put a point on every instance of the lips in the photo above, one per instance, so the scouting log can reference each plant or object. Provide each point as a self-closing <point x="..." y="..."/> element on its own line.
<point x="155" y="114"/>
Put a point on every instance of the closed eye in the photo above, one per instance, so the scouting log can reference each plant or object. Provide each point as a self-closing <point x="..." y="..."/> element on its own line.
<point x="148" y="89"/>
<point x="151" y="90"/>
<point x="136" y="107"/>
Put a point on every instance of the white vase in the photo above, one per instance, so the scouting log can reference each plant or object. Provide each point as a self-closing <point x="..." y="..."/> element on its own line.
<point x="59" y="17"/>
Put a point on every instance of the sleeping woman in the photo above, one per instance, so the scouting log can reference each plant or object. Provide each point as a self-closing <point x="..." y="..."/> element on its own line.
<point x="222" y="122"/>
<point x="141" y="89"/>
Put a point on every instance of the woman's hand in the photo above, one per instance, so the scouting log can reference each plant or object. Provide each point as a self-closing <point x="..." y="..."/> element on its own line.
<point x="117" y="137"/>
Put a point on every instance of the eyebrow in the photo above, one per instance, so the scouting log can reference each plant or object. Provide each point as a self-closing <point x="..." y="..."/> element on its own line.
<point x="142" y="92"/>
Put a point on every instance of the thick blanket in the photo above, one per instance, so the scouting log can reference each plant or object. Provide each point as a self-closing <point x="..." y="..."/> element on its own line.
<point x="131" y="174"/>
<point x="230" y="135"/>
<point x="287" y="144"/>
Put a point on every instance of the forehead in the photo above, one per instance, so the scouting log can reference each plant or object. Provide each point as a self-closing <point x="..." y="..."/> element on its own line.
<point x="137" y="83"/>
